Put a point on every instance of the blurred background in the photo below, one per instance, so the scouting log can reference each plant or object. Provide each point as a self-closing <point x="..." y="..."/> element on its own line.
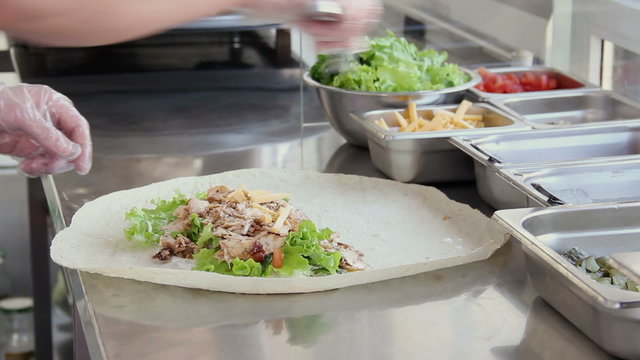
<point x="235" y="85"/>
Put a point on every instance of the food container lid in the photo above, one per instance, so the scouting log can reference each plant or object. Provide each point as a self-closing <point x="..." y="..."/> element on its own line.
<point x="16" y="305"/>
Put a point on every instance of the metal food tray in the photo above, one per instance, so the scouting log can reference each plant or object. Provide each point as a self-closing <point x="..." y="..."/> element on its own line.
<point x="427" y="157"/>
<point x="590" y="108"/>
<point x="338" y="104"/>
<point x="493" y="153"/>
<point x="585" y="183"/>
<point x="566" y="83"/>
<point x="609" y="316"/>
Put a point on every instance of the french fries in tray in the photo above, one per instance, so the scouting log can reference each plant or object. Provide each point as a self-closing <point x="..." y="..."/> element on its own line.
<point x="442" y="119"/>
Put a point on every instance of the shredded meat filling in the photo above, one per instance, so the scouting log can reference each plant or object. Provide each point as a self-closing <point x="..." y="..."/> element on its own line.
<point x="181" y="246"/>
<point x="352" y="259"/>
<point x="242" y="228"/>
<point x="246" y="229"/>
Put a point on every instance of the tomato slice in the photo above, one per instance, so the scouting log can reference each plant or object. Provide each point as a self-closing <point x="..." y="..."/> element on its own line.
<point x="513" y="83"/>
<point x="488" y="86"/>
<point x="527" y="78"/>
<point x="544" y="82"/>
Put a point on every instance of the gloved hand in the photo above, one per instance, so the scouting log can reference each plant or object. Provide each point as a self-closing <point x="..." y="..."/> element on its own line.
<point x="43" y="127"/>
<point x="358" y="16"/>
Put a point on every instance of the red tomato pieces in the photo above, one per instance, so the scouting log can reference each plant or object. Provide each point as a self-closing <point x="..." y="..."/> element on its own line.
<point x="512" y="83"/>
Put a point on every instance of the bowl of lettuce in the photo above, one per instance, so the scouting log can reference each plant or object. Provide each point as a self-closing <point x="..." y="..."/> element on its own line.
<point x="390" y="74"/>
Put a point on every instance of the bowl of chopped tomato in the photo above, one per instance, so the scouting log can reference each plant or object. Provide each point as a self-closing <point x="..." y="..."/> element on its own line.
<point x="509" y="80"/>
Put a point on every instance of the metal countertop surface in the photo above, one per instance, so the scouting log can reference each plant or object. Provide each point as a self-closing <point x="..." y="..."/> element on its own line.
<point x="482" y="310"/>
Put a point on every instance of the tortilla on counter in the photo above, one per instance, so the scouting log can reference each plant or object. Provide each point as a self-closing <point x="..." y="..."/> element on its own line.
<point x="402" y="229"/>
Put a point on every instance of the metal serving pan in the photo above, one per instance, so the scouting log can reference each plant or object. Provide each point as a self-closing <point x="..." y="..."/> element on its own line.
<point x="534" y="148"/>
<point x="338" y="104"/>
<point x="609" y="316"/>
<point x="571" y="109"/>
<point x="566" y="82"/>
<point x="428" y="157"/>
<point x="585" y="183"/>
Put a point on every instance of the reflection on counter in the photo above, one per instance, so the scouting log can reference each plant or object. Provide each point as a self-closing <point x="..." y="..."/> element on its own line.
<point x="549" y="336"/>
<point x="302" y="331"/>
<point x="314" y="323"/>
<point x="140" y="306"/>
<point x="350" y="159"/>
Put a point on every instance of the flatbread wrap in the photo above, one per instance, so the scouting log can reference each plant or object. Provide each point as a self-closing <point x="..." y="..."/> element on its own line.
<point x="401" y="229"/>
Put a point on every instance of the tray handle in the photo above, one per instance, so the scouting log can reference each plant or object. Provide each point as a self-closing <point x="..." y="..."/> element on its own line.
<point x="551" y="199"/>
<point x="490" y="158"/>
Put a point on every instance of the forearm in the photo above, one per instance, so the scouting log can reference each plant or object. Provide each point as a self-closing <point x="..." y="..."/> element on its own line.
<point x="99" y="22"/>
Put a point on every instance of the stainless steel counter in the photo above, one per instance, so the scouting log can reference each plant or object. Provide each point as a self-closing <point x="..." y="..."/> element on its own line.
<point x="483" y="310"/>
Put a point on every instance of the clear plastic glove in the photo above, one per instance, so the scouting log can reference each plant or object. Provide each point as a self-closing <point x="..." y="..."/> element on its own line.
<point x="358" y="16"/>
<point x="42" y="127"/>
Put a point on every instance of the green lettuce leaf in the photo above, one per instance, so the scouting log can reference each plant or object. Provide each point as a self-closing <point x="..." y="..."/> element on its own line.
<point x="207" y="261"/>
<point x="307" y="240"/>
<point x="294" y="263"/>
<point x="329" y="263"/>
<point x="206" y="238"/>
<point x="305" y="331"/>
<point x="392" y="64"/>
<point x="319" y="72"/>
<point x="146" y="224"/>
<point x="303" y="255"/>
<point x="248" y="267"/>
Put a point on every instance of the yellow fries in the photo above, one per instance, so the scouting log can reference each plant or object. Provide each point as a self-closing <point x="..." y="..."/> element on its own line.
<point x="413" y="112"/>
<point x="401" y="121"/>
<point x="463" y="108"/>
<point x="441" y="119"/>
<point x="473" y="117"/>
<point x="382" y="124"/>
<point x="411" y="128"/>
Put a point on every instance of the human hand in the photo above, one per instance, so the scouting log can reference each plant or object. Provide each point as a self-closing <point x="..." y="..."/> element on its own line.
<point x="345" y="32"/>
<point x="43" y="127"/>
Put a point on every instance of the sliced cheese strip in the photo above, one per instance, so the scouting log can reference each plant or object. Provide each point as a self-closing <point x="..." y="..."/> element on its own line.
<point x="283" y="214"/>
<point x="257" y="193"/>
<point x="264" y="209"/>
<point x="270" y="197"/>
<point x="266" y="218"/>
<point x="238" y="194"/>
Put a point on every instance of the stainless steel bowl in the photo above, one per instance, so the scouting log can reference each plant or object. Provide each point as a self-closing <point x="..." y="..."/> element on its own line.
<point x="339" y="104"/>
